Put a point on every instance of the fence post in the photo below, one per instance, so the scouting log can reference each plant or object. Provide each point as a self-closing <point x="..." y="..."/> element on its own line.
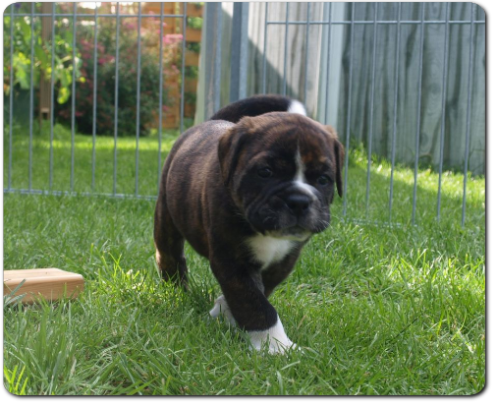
<point x="239" y="48"/>
<point x="214" y="27"/>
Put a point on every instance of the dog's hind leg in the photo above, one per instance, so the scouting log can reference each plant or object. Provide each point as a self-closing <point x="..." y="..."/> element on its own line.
<point x="169" y="245"/>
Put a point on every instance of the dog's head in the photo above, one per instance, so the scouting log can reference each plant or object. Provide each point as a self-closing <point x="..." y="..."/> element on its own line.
<point x="281" y="170"/>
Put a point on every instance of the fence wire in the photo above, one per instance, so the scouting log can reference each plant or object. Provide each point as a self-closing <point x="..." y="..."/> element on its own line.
<point x="74" y="16"/>
<point x="237" y="79"/>
<point x="398" y="22"/>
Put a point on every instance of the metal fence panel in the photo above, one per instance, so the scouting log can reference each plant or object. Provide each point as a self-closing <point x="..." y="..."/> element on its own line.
<point x="370" y="17"/>
<point x="371" y="24"/>
<point x="72" y="20"/>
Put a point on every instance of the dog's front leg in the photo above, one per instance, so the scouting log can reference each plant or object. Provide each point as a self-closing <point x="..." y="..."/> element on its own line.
<point x="243" y="294"/>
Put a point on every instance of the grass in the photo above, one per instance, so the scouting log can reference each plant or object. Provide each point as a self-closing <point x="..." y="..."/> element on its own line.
<point x="377" y="309"/>
<point x="82" y="157"/>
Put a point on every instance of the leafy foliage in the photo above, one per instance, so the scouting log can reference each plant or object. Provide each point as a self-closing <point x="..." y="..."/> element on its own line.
<point x="41" y="55"/>
<point x="127" y="101"/>
<point x="83" y="64"/>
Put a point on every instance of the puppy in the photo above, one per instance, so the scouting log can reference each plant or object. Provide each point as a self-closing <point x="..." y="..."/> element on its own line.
<point x="247" y="189"/>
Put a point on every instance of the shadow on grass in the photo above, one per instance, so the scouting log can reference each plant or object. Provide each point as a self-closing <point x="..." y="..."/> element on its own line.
<point x="378" y="206"/>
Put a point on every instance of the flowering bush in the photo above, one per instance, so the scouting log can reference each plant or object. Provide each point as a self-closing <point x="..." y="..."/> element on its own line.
<point x="105" y="97"/>
<point x="127" y="86"/>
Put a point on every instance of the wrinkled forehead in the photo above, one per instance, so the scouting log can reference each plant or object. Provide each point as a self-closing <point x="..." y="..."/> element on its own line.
<point x="295" y="136"/>
<point x="315" y="148"/>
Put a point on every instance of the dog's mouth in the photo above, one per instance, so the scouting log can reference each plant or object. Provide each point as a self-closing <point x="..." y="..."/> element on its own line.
<point x="295" y="233"/>
<point x="282" y="223"/>
<point x="287" y="229"/>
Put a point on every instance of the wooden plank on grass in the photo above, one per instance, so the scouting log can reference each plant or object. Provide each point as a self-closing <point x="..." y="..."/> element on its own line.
<point x="50" y="283"/>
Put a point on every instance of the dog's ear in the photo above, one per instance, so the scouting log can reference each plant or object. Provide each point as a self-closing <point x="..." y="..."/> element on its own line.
<point x="339" y="154"/>
<point x="228" y="150"/>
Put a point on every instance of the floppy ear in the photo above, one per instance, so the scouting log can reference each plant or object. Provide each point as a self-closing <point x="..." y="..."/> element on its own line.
<point x="227" y="152"/>
<point x="339" y="153"/>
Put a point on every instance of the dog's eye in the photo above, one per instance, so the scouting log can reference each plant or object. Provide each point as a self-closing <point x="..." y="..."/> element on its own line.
<point x="323" y="180"/>
<point x="265" y="172"/>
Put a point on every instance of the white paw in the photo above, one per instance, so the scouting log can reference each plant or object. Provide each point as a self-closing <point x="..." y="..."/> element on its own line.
<point x="221" y="308"/>
<point x="274" y="339"/>
<point x="279" y="348"/>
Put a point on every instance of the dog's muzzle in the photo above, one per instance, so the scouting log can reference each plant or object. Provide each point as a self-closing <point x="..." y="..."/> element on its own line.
<point x="293" y="215"/>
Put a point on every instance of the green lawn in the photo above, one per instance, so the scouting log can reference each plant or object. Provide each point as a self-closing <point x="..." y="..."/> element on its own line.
<point x="376" y="309"/>
<point x="82" y="156"/>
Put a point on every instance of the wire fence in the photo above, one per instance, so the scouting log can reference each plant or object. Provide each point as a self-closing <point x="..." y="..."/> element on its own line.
<point x="52" y="181"/>
<point x="32" y="16"/>
<point x="398" y="22"/>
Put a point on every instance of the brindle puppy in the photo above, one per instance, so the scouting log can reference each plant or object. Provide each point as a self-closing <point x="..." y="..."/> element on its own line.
<point x="247" y="194"/>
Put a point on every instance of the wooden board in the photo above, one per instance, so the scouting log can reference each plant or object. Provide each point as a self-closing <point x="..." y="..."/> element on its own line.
<point x="193" y="35"/>
<point x="50" y="283"/>
<point x="192" y="58"/>
<point x="192" y="10"/>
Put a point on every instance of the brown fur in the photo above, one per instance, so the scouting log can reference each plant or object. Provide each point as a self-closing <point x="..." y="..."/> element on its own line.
<point x="209" y="197"/>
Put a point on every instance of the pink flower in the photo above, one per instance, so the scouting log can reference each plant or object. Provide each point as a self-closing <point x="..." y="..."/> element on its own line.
<point x="172" y="38"/>
<point x="106" y="59"/>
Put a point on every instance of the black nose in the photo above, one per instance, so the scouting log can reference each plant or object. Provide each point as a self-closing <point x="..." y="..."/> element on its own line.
<point x="298" y="203"/>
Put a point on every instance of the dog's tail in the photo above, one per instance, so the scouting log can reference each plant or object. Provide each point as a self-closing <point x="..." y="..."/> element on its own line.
<point x="257" y="105"/>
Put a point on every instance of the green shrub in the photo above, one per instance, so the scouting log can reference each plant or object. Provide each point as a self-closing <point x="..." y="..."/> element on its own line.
<point x="127" y="98"/>
<point x="42" y="55"/>
<point x="127" y="86"/>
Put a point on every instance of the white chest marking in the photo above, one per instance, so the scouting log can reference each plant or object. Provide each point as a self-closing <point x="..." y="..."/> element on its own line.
<point x="268" y="250"/>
